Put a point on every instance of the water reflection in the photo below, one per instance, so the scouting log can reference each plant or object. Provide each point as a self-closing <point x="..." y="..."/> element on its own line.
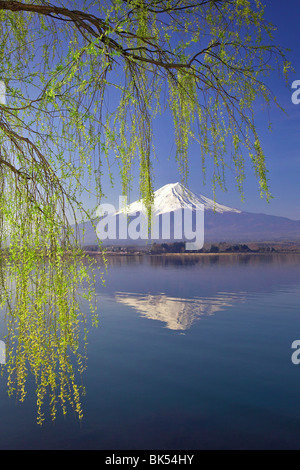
<point x="45" y="324"/>
<point x="224" y="259"/>
<point x="177" y="313"/>
<point x="207" y="259"/>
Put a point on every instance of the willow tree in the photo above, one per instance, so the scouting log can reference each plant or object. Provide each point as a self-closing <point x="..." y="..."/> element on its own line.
<point x="84" y="82"/>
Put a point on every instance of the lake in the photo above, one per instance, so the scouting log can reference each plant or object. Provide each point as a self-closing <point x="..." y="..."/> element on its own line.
<point x="191" y="352"/>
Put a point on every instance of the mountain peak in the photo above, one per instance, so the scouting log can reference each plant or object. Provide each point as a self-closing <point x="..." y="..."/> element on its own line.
<point x="174" y="196"/>
<point x="221" y="223"/>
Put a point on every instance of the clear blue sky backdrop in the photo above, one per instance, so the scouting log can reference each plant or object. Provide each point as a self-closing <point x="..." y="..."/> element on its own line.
<point x="281" y="145"/>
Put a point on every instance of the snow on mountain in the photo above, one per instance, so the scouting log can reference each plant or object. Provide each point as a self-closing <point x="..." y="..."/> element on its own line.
<point x="221" y="223"/>
<point x="174" y="196"/>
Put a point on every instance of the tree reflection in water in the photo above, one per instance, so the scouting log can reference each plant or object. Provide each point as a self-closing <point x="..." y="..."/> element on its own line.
<point x="46" y="328"/>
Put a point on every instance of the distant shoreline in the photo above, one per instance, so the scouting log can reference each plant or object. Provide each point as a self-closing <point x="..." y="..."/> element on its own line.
<point x="211" y="249"/>
<point x="185" y="254"/>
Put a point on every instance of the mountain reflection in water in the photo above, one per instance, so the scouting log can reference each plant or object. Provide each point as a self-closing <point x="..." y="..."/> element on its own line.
<point x="177" y="313"/>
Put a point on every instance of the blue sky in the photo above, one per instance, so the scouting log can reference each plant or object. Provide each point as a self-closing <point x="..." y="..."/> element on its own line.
<point x="281" y="145"/>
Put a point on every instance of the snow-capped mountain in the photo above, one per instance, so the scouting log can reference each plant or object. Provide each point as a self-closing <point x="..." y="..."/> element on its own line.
<point x="221" y="223"/>
<point x="175" y="196"/>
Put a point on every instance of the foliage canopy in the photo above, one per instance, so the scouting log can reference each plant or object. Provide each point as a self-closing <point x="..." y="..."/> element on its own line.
<point x="59" y="64"/>
<point x="84" y="82"/>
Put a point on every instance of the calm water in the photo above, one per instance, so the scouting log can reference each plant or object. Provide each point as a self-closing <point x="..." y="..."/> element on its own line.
<point x="189" y="354"/>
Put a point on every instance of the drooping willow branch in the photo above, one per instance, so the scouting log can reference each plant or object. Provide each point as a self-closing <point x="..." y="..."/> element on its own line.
<point x="84" y="85"/>
<point x="222" y="56"/>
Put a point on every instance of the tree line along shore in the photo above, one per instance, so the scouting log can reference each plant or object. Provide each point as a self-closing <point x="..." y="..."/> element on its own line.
<point x="211" y="248"/>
